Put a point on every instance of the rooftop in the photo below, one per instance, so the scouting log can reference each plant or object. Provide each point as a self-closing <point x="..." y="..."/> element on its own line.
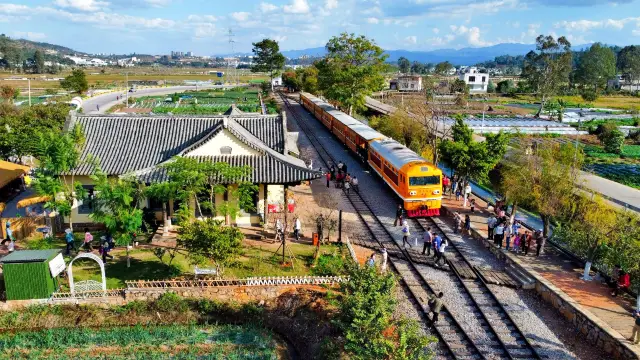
<point x="22" y="256"/>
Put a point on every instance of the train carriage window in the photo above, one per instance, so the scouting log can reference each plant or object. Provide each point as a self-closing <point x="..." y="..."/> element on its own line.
<point x="424" y="180"/>
<point x="393" y="176"/>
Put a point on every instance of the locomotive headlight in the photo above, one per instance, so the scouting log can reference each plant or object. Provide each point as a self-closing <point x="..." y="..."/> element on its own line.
<point x="413" y="193"/>
<point x="436" y="192"/>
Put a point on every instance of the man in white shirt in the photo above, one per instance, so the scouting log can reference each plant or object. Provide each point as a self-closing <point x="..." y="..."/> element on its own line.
<point x="443" y="247"/>
<point x="491" y="223"/>
<point x="498" y="235"/>
<point x="428" y="238"/>
<point x="297" y="228"/>
<point x="467" y="193"/>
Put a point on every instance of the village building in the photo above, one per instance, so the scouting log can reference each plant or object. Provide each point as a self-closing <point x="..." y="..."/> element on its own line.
<point x="138" y="146"/>
<point x="475" y="80"/>
<point x="407" y="83"/>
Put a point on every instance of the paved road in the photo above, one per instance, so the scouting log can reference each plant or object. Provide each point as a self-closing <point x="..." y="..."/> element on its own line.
<point x="106" y="101"/>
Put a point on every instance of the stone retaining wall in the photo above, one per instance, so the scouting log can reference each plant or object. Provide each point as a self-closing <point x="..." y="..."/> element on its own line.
<point x="595" y="331"/>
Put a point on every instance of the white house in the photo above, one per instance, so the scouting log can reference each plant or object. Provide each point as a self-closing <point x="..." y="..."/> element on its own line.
<point x="476" y="81"/>
<point x="276" y="81"/>
<point x="407" y="83"/>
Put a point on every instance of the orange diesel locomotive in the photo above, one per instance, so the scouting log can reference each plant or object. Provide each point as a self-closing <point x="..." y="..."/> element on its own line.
<point x="417" y="182"/>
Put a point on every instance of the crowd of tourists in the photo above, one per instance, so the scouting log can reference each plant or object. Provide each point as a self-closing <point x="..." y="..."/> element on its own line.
<point x="342" y="178"/>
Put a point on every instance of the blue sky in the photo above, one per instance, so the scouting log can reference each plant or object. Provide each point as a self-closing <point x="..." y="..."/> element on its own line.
<point x="159" y="26"/>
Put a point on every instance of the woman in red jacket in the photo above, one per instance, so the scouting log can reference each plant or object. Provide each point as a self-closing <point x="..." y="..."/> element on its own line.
<point x="623" y="283"/>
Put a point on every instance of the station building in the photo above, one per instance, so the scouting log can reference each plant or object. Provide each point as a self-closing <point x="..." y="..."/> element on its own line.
<point x="138" y="146"/>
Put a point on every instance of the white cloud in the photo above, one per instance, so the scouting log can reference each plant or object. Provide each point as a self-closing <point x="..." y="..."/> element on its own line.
<point x="205" y="30"/>
<point x="474" y="38"/>
<point x="82" y="5"/>
<point x="636" y="32"/>
<point x="411" y="40"/>
<point x="157" y="3"/>
<point x="297" y="7"/>
<point x="532" y="29"/>
<point x="436" y="30"/>
<point x="29" y="35"/>
<point x="268" y="7"/>
<point x="11" y="9"/>
<point x="240" y="16"/>
<point x="373" y="20"/>
<point x="200" y="18"/>
<point x="331" y="4"/>
<point x="586" y="25"/>
<point x="279" y="38"/>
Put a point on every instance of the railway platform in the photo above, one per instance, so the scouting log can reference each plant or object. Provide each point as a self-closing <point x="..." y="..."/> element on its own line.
<point x="561" y="274"/>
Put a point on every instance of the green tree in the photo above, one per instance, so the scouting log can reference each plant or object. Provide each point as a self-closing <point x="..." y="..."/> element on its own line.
<point x="469" y="159"/>
<point x="351" y="70"/>
<point x="458" y="86"/>
<point x="443" y="68"/>
<point x="38" y="61"/>
<point x="76" y="82"/>
<point x="596" y="66"/>
<point x="116" y="206"/>
<point x="310" y="80"/>
<point x="58" y="154"/>
<point x="365" y="318"/>
<point x="611" y="137"/>
<point x="505" y="87"/>
<point x="542" y="178"/>
<point x="417" y="68"/>
<point x="267" y="58"/>
<point x="491" y="87"/>
<point x="292" y="79"/>
<point x="629" y="63"/>
<point x="164" y="192"/>
<point x="209" y="239"/>
<point x="404" y="65"/>
<point x="548" y="69"/>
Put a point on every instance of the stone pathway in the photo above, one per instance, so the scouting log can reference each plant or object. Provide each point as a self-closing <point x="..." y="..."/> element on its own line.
<point x="565" y="275"/>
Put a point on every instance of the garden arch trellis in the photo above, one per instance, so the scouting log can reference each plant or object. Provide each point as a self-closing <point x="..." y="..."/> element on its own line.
<point x="87" y="285"/>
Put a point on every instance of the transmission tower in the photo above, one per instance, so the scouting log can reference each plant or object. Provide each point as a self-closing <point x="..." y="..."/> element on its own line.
<point x="232" y="61"/>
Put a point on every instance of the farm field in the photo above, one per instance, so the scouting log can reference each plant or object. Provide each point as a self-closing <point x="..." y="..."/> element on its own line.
<point x="613" y="102"/>
<point x="142" y="342"/>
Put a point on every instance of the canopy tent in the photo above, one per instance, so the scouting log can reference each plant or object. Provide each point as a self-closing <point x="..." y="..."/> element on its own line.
<point x="10" y="171"/>
<point x="31" y="200"/>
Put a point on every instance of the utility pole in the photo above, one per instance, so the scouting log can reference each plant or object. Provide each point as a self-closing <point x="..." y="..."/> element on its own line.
<point x="29" y="84"/>
<point x="126" y="89"/>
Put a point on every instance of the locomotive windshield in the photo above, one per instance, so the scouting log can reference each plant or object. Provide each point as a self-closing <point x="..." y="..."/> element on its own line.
<point x="424" y="180"/>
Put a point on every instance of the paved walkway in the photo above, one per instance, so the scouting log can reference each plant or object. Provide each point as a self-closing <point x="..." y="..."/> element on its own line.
<point x="564" y="274"/>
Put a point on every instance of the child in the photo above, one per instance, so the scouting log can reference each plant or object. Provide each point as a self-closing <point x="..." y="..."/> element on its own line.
<point x="458" y="194"/>
<point x="473" y="205"/>
<point x="516" y="243"/>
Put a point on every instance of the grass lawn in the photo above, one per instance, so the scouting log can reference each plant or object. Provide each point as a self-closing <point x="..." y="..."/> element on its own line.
<point x="258" y="259"/>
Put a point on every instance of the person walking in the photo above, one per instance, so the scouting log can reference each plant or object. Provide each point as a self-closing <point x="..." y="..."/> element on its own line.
<point x="498" y="235"/>
<point x="371" y="262"/>
<point x="347" y="187"/>
<point x="9" y="233"/>
<point x="527" y="242"/>
<point x="441" y="253"/>
<point x="104" y="250"/>
<point x="436" y="245"/>
<point x="467" y="224"/>
<point x="385" y="256"/>
<point x="297" y="228"/>
<point x="445" y="184"/>
<point x="491" y="223"/>
<point x="69" y="240"/>
<point x="455" y="187"/>
<point x="435" y="306"/>
<point x="623" y="283"/>
<point x="516" y="243"/>
<point x="636" y="327"/>
<point x="279" y="232"/>
<point x="328" y="176"/>
<point x="354" y="184"/>
<point x="88" y="238"/>
<point x="456" y="222"/>
<point x="398" y="220"/>
<point x="405" y="234"/>
<point x="340" y="165"/>
<point x="539" y="242"/>
<point x="458" y="193"/>
<point x="332" y="171"/>
<point x="472" y="203"/>
<point x="428" y="239"/>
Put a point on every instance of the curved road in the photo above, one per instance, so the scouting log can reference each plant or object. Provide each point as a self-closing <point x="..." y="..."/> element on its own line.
<point x="106" y="101"/>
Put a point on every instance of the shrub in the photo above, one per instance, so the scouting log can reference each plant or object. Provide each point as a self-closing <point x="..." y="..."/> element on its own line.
<point x="611" y="138"/>
<point x="329" y="265"/>
<point x="589" y="95"/>
<point x="170" y="302"/>
<point x="137" y="306"/>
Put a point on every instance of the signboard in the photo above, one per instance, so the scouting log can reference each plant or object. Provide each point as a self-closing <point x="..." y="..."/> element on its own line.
<point x="57" y="265"/>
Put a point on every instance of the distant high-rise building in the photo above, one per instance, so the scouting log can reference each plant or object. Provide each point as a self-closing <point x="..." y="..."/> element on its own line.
<point x="189" y="53"/>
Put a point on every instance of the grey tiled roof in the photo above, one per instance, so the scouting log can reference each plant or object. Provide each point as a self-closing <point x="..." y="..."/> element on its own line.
<point x="266" y="128"/>
<point x="265" y="170"/>
<point x="139" y="145"/>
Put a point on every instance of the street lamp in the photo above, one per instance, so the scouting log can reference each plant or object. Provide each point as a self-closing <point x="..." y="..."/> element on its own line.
<point x="484" y="99"/>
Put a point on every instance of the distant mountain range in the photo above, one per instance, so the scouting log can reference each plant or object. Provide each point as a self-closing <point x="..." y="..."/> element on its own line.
<point x="464" y="56"/>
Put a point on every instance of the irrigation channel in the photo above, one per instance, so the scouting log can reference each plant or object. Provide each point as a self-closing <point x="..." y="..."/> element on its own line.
<point x="505" y="339"/>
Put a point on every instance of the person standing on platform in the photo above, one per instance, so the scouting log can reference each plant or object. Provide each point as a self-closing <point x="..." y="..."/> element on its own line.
<point x="508" y="231"/>
<point x="445" y="184"/>
<point x="398" y="215"/>
<point x="467" y="194"/>
<point x="405" y="234"/>
<point x="472" y="203"/>
<point x="328" y="176"/>
<point x="428" y="239"/>
<point x="340" y="166"/>
<point x="332" y="171"/>
<point x="527" y="243"/>
<point x="491" y="223"/>
<point x="467" y="224"/>
<point x="636" y="328"/>
<point x="539" y="242"/>
<point x="498" y="235"/>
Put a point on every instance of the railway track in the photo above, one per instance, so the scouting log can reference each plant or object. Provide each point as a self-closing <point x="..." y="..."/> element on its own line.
<point x="506" y="341"/>
<point x="493" y="315"/>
